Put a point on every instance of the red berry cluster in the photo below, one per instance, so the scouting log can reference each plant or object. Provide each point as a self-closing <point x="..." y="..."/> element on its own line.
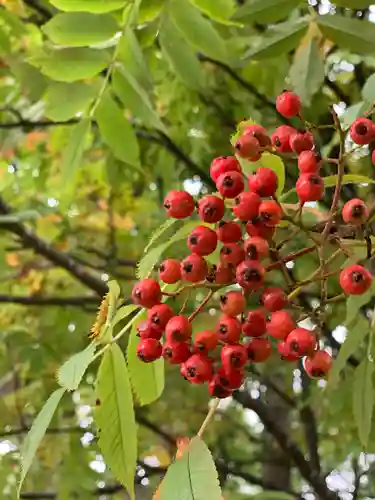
<point x="219" y="356"/>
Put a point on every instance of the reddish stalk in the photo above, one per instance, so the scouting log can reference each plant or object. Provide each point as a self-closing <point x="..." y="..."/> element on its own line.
<point x="201" y="306"/>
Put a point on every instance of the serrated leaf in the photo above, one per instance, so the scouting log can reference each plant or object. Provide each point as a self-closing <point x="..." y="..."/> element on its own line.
<point x="180" y="55"/>
<point x="307" y="71"/>
<point x="70" y="374"/>
<point x="266" y="11"/>
<point x="192" y="476"/>
<point x="368" y="90"/>
<point x="147" y="379"/>
<point x="159" y="232"/>
<point x="353" y="34"/>
<point x="37" y="431"/>
<point x="363" y="399"/>
<point x="117" y="132"/>
<point x="122" y="313"/>
<point x="94" y="6"/>
<point x="114" y="417"/>
<point x="73" y="152"/>
<point x="197" y="30"/>
<point x="219" y="10"/>
<point x="66" y="100"/>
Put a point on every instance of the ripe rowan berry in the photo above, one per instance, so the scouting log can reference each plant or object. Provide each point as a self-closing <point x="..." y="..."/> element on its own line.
<point x="318" y="365"/>
<point x="301" y="141"/>
<point x="309" y="187"/>
<point x="355" y="212"/>
<point x="301" y="342"/>
<point x="256" y="248"/>
<point x="259" y="350"/>
<point x="288" y="104"/>
<point x="146" y="293"/>
<point x="373" y="157"/>
<point x="247" y="146"/>
<point x="246" y="205"/>
<point x="281" y="138"/>
<point x="224" y="274"/>
<point x="216" y="390"/>
<point x="160" y="315"/>
<point x="309" y="162"/>
<point x="149" y="350"/>
<point x="228" y="329"/>
<point x="355" y="279"/>
<point x="228" y="232"/>
<point x="263" y="182"/>
<point x="362" y="131"/>
<point x="198" y="369"/>
<point x="231" y="379"/>
<point x="205" y="341"/>
<point x="169" y="271"/>
<point x="148" y="330"/>
<point x="258" y="228"/>
<point x="250" y="275"/>
<point x="222" y="165"/>
<point x="254" y="324"/>
<point x="280" y="324"/>
<point x="176" y="352"/>
<point x="270" y="213"/>
<point x="178" y="329"/>
<point x="285" y="353"/>
<point x="260" y="133"/>
<point x="230" y="184"/>
<point x="232" y="253"/>
<point x="274" y="299"/>
<point x="202" y="240"/>
<point x="211" y="208"/>
<point x="233" y="356"/>
<point x="179" y="204"/>
<point x="194" y="268"/>
<point x="232" y="303"/>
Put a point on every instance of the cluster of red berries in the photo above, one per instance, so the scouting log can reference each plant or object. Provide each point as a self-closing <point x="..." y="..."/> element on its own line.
<point x="219" y="356"/>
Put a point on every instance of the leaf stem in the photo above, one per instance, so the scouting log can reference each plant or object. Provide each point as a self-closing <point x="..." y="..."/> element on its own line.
<point x="209" y="417"/>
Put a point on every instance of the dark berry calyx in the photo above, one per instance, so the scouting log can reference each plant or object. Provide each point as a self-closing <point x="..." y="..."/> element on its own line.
<point x="219" y="391"/>
<point x="223" y="299"/>
<point x="188" y="267"/>
<point x="162" y="267"/>
<point x="277" y="142"/>
<point x="252" y="275"/>
<point x="223" y="329"/>
<point x="226" y="251"/>
<point x="168" y="352"/>
<point x="193" y="239"/>
<point x="138" y="293"/>
<point x="315" y="179"/>
<point x="357" y="277"/>
<point x="317" y="373"/>
<point x="361" y="129"/>
<point x="191" y="371"/>
<point x="252" y="252"/>
<point x="294" y="346"/>
<point x="357" y="211"/>
<point x="167" y="205"/>
<point x="228" y="181"/>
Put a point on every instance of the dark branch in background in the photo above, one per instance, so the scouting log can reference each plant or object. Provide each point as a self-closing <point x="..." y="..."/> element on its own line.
<point x="40" y="9"/>
<point x="49" y="301"/>
<point x="263" y="379"/>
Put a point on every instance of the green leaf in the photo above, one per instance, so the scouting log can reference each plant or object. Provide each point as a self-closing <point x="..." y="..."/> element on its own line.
<point x="307" y="71"/>
<point x="180" y="55"/>
<point x="79" y="29"/>
<point x="266" y="11"/>
<point x="147" y="379"/>
<point x="31" y="80"/>
<point x="117" y="132"/>
<point x="122" y="313"/>
<point x="272" y="495"/>
<point x="94" y="6"/>
<point x="70" y="374"/>
<point x="37" y="431"/>
<point x="114" y="417"/>
<point x="135" y="98"/>
<point x="159" y="232"/>
<point x="70" y="65"/>
<point x="331" y="180"/>
<point x="5" y="47"/>
<point x="197" y="30"/>
<point x="354" y="4"/>
<point x="66" y="100"/>
<point x="352" y="112"/>
<point x="368" y="90"/>
<point x="275" y="163"/>
<point x="280" y="42"/>
<point x="353" y="34"/>
<point x="363" y="399"/>
<point x="73" y="152"/>
<point x="219" y="10"/>
<point x="192" y="476"/>
<point x="149" y="10"/>
<point x="19" y="217"/>
<point x="355" y="302"/>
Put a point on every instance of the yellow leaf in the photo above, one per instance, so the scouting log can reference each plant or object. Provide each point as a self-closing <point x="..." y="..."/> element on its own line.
<point x="12" y="259"/>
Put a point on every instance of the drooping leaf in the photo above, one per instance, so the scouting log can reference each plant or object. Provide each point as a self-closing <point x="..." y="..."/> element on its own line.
<point x="197" y="30"/>
<point x="355" y="302"/>
<point x="266" y="11"/>
<point x="37" y="431"/>
<point x="272" y="495"/>
<point x="307" y="71"/>
<point x="192" y="476"/>
<point x="159" y="232"/>
<point x="220" y="10"/>
<point x="331" y="180"/>
<point x="70" y="374"/>
<point x="31" y="80"/>
<point x="73" y="152"/>
<point x="149" y="10"/>
<point x="147" y="379"/>
<point x="353" y="34"/>
<point x="354" y="4"/>
<point x="368" y="90"/>
<point x="116" y="131"/>
<point x="65" y="100"/>
<point x="94" y="6"/>
<point x="114" y="417"/>
<point x="363" y="398"/>
<point x="122" y="313"/>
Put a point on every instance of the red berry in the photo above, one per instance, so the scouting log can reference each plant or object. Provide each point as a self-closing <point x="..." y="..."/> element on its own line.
<point x="274" y="299"/>
<point x="301" y="342"/>
<point x="288" y="104"/>
<point x="355" y="212"/>
<point x="270" y="213"/>
<point x="230" y="184"/>
<point x="264" y="182"/>
<point x="228" y="232"/>
<point x="194" y="268"/>
<point x="160" y="315"/>
<point x="148" y="330"/>
<point x="309" y="162"/>
<point x="179" y="204"/>
<point x="247" y="146"/>
<point x="211" y="208"/>
<point x="250" y="275"/>
<point x="255" y="157"/>
<point x="246" y="205"/>
<point x="233" y="356"/>
<point x="146" y="293"/>
<point x="362" y="131"/>
<point x="373" y="157"/>
<point x="198" y="369"/>
<point x="228" y="329"/>
<point x="355" y="279"/>
<point x="178" y="329"/>
<point x="202" y="240"/>
<point x="205" y="341"/>
<point x="231" y="379"/>
<point x="258" y="350"/>
<point x="169" y="271"/>
<point x="258" y="228"/>
<point x="301" y="141"/>
<point x="309" y="187"/>
<point x="280" y="324"/>
<point x="224" y="164"/>
<point x="232" y="303"/>
<point x="285" y="353"/>
<point x="256" y="248"/>
<point x="176" y="352"/>
<point x="149" y="350"/>
<point x="260" y="133"/>
<point x="216" y="390"/>
<point x="318" y="365"/>
<point x="255" y="323"/>
<point x="224" y="274"/>
<point x="232" y="253"/>
<point x="281" y="138"/>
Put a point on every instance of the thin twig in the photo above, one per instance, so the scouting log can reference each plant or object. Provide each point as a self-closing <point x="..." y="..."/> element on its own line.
<point x="209" y="417"/>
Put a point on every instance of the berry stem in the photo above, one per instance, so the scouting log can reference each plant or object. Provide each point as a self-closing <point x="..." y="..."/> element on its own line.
<point x="290" y="257"/>
<point x="201" y="306"/>
<point x="209" y="417"/>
